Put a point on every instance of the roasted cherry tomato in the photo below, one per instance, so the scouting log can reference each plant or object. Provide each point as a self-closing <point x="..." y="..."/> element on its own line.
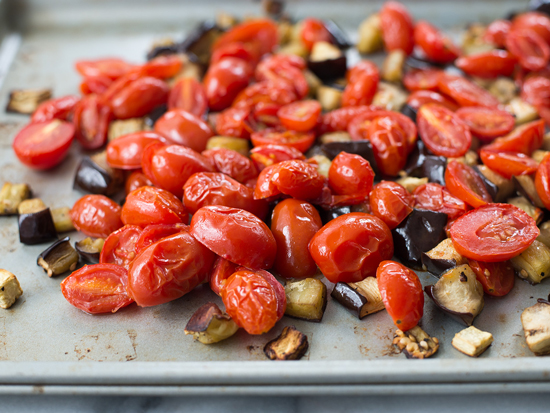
<point x="96" y="84"/>
<point x="161" y="67"/>
<point x="251" y="301"/>
<point x="443" y="132"/>
<point x="525" y="139"/>
<point x="507" y="163"/>
<point x="391" y="202"/>
<point x="267" y="155"/>
<point x="350" y="174"/>
<point x="390" y="145"/>
<point x="497" y="31"/>
<point x="168" y="269"/>
<point x="338" y="119"/>
<point x="298" y="140"/>
<point x="136" y="180"/>
<point x="240" y="50"/>
<point x="126" y="152"/>
<point x="184" y="128"/>
<point x="435" y="197"/>
<point x="358" y="126"/>
<point x="276" y="92"/>
<point x="425" y="79"/>
<point x="488" y="65"/>
<point x="486" y="123"/>
<point x="112" y="68"/>
<point x="537" y="22"/>
<point x="350" y="247"/>
<point x="293" y="224"/>
<point x="149" y="205"/>
<point x="300" y="116"/>
<point x="43" y="145"/>
<point x="464" y="183"/>
<point x="119" y="247"/>
<point x="139" y="98"/>
<point x="397" y="27"/>
<point x="286" y="67"/>
<point x="421" y="97"/>
<point x="155" y="232"/>
<point x="542" y="181"/>
<point x="234" y="122"/>
<point x="91" y="120"/>
<point x="466" y="93"/>
<point x="232" y="163"/>
<point x="437" y="47"/>
<point x="493" y="233"/>
<point x="60" y="108"/>
<point x="224" y="80"/>
<point x="189" y="95"/>
<point x="221" y="271"/>
<point x="262" y="33"/>
<point x="536" y="90"/>
<point x="401" y="293"/>
<point x="530" y="48"/>
<point x="313" y="31"/>
<point x="235" y="235"/>
<point x="497" y="278"/>
<point x="96" y="216"/>
<point x="96" y="289"/>
<point x="277" y="287"/>
<point x="361" y="90"/>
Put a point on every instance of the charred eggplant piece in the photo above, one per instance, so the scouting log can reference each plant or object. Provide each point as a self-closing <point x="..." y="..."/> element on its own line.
<point x="150" y="119"/>
<point x="542" y="6"/>
<point x="327" y="62"/>
<point x="525" y="186"/>
<point x="11" y="197"/>
<point x="199" y="42"/>
<point x="35" y="222"/>
<point x="62" y="219"/>
<point x="533" y="264"/>
<point x="531" y="210"/>
<point x="491" y="187"/>
<point x="505" y="186"/>
<point x="361" y="298"/>
<point x="163" y="48"/>
<point x="421" y="231"/>
<point x="536" y="326"/>
<point x="458" y="293"/>
<point x="442" y="258"/>
<point x="209" y="325"/>
<point x="306" y="299"/>
<point x="339" y="37"/>
<point x="415" y="343"/>
<point x="362" y="148"/>
<point x="290" y="345"/>
<point x="26" y="101"/>
<point x="58" y="258"/>
<point x="10" y="289"/>
<point x="422" y="163"/>
<point x="472" y="342"/>
<point x="96" y="177"/>
<point x="90" y="249"/>
<point x="409" y="112"/>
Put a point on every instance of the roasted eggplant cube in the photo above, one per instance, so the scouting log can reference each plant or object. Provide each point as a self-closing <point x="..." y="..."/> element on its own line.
<point x="200" y="40"/>
<point x="505" y="186"/>
<point x="441" y="258"/>
<point x="59" y="258"/>
<point x="90" y="249"/>
<point x="290" y="345"/>
<point x="362" y="148"/>
<point x="118" y="128"/>
<point x="35" y="222"/>
<point x="10" y="290"/>
<point x="533" y="264"/>
<point x="471" y="341"/>
<point x="525" y="186"/>
<point x="544" y="235"/>
<point x="209" y="325"/>
<point x="62" y="219"/>
<point x="410" y="183"/>
<point x="229" y="142"/>
<point x="306" y="299"/>
<point x="26" y="101"/>
<point x="97" y="179"/>
<point x="327" y="62"/>
<point x="422" y="163"/>
<point x="527" y="207"/>
<point x="11" y="196"/>
<point x="415" y="343"/>
<point x="361" y="298"/>
<point x="536" y="326"/>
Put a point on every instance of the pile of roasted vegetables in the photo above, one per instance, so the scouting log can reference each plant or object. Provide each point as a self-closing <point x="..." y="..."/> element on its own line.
<point x="252" y="152"/>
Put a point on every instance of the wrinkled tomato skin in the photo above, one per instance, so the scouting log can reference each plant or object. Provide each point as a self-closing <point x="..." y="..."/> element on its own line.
<point x="532" y="52"/>
<point x="424" y="79"/>
<point x="493" y="233"/>
<point x="525" y="139"/>
<point x="161" y="67"/>
<point x="358" y="126"/>
<point x="434" y="44"/>
<point x="234" y="122"/>
<point x="298" y="140"/>
<point x="97" y="289"/>
<point x="239" y="50"/>
<point x="401" y="293"/>
<point x="112" y="68"/>
<point x="361" y="91"/>
<point x="149" y="205"/>
<point x="497" y="31"/>
<point x="277" y="287"/>
<point x="298" y="179"/>
<point x="119" y="247"/>
<point x="168" y="269"/>
<point x="535" y="90"/>
<point x="155" y="232"/>
<point x="91" y="120"/>
<point x="265" y="188"/>
<point x="184" y="128"/>
<point x="96" y="216"/>
<point x="390" y="145"/>
<point x="293" y="224"/>
<point x="339" y="119"/>
<point x="421" y="97"/>
<point x="139" y="98"/>
<point x="221" y="271"/>
<point x="275" y="92"/>
<point x="313" y="31"/>
<point x="464" y="183"/>
<point x="465" y="92"/>
<point x="267" y="155"/>
<point x="136" y="180"/>
<point x="126" y="152"/>
<point x="488" y="65"/>
<point x="497" y="278"/>
<point x="542" y="181"/>
<point x="507" y="163"/>
<point x="232" y="163"/>
<point x="260" y="33"/>
<point x="251" y="301"/>
<point x="397" y="27"/>
<point x="350" y="247"/>
<point x="235" y="235"/>
<point x="189" y="95"/>
<point x="214" y="188"/>
<point x="391" y="202"/>
<point x="60" y="108"/>
<point x="286" y="68"/>
<point x="435" y="197"/>
<point x="350" y="174"/>
<point x="301" y="116"/>
<point x="486" y="123"/>
<point x="224" y="80"/>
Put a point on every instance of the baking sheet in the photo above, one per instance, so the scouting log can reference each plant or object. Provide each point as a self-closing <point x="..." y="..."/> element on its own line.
<point x="45" y="341"/>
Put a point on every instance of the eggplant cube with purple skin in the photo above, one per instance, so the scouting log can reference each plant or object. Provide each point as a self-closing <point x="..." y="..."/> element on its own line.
<point x="209" y="325"/>
<point x="536" y="326"/>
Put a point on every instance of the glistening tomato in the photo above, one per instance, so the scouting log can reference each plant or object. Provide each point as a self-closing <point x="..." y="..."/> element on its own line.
<point x="91" y="121"/>
<point x="139" y="98"/>
<point x="465" y="92"/>
<point x="232" y="163"/>
<point x="488" y="65"/>
<point x="189" y="95"/>
<point x="126" y="152"/>
<point x="262" y="33"/>
<point x="299" y="140"/>
<point x="487" y="123"/>
<point x="60" y="108"/>
<point x="149" y="205"/>
<point x="350" y="174"/>
<point x="464" y="183"/>
<point x="155" y="232"/>
<point x="221" y="271"/>
<point x="542" y="181"/>
<point x="437" y="47"/>
<point x="224" y="80"/>
<point x="96" y="216"/>
<point x="119" y="247"/>
<point x="184" y="128"/>
<point x="300" y="116"/>
<point x="497" y="278"/>
<point x="397" y="27"/>
<point x="507" y="163"/>
<point x="435" y="197"/>
<point x="391" y="202"/>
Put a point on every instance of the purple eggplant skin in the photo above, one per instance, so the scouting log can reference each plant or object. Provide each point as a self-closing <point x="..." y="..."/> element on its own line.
<point x="542" y="6"/>
<point x="436" y="266"/>
<point x="152" y="117"/>
<point x="37" y="227"/>
<point x="349" y="298"/>
<point x="464" y="318"/>
<point x="423" y="164"/>
<point x="92" y="178"/>
<point x="362" y="148"/>
<point x="329" y="69"/>
<point x="409" y="112"/>
<point x="339" y="37"/>
<point x="492" y="188"/>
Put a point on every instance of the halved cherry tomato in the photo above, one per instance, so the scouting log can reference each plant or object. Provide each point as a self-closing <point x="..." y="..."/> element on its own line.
<point x="497" y="31"/>
<point x="286" y="67"/>
<point x="358" y="126"/>
<point x="265" y="188"/>
<point x="537" y="22"/>
<point x="313" y="31"/>
<point x="96" y="216"/>
<point x="224" y="81"/>
<point x="161" y="67"/>
<point x="112" y="68"/>
<point x="149" y="205"/>
<point x="437" y="47"/>
<point x="126" y="152"/>
<point x="464" y="183"/>
<point x="525" y="139"/>
<point x="139" y="97"/>
<point x="442" y="131"/>
<point x="60" y="108"/>
<point x="95" y="84"/>
<point x="401" y="293"/>
<point x="425" y="79"/>
<point x="96" y="289"/>
<point x="397" y="27"/>
<point x="350" y="247"/>
<point x="435" y="197"/>
<point x="136" y="180"/>
<point x="486" y="123"/>
<point x="235" y="235"/>
<point x="536" y="90"/>
<point x="466" y="93"/>
<point x="232" y="163"/>
<point x="91" y="120"/>
<point x="189" y="95"/>
<point x="234" y="122"/>
<point x="542" y="181"/>
<point x="530" y="48"/>
<point x="350" y="174"/>
<point x="338" y="119"/>
<point x="497" y="278"/>
<point x="298" y="140"/>
<point x="488" y="65"/>
<point x="262" y="33"/>
<point x="493" y="232"/>
<point x="155" y="232"/>
<point x="391" y="202"/>
<point x="267" y="155"/>
<point x="43" y="145"/>
<point x="119" y="247"/>
<point x="421" y="97"/>
<point x="221" y="271"/>
<point x="184" y="128"/>
<point x="268" y="92"/>
<point x="168" y="269"/>
<point x="507" y="163"/>
<point x="300" y="116"/>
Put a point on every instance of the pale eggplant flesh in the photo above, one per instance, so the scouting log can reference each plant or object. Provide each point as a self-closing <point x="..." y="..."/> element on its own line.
<point x="58" y="258"/>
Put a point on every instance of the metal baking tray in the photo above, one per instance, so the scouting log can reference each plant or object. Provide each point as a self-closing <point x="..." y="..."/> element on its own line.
<point x="47" y="346"/>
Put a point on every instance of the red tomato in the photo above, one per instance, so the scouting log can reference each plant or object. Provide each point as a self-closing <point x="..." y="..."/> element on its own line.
<point x="139" y="98"/>
<point x="155" y="232"/>
<point x="435" y="197"/>
<point x="350" y="174"/>
<point x="488" y="65"/>
<point x="497" y="278"/>
<point x="486" y="123"/>
<point x="267" y="155"/>
<point x="235" y="235"/>
<point x="493" y="233"/>
<point x="91" y="120"/>
<point x="389" y="144"/>
<point x="401" y="293"/>
<point x="224" y="80"/>
<point x="397" y="27"/>
<point x="360" y="91"/>
<point x="466" y="93"/>
<point x="277" y="92"/>
<point x="161" y="67"/>
<point x="221" y="271"/>
<point x="184" y="128"/>
<point x="497" y="31"/>
<point x="96" y="84"/>
<point x="525" y="139"/>
<point x="536" y="90"/>
<point x="298" y="140"/>
<point x="391" y="202"/>
<point x="277" y="287"/>
<point x="239" y="50"/>
<point x="313" y="31"/>
<point x="421" y="97"/>
<point x="60" y="108"/>
<point x="126" y="152"/>
<point x="234" y="122"/>
<point x="288" y="68"/>
<point x="425" y="79"/>
<point x="232" y="163"/>
<point x="537" y="22"/>
<point x="169" y="167"/>
<point x="189" y="95"/>
<point x="294" y="223"/>
<point x="136" y="180"/>
<point x="168" y="269"/>
<point x="464" y="183"/>
<point x="437" y="47"/>
<point x="251" y="301"/>
<point x="350" y="247"/>
<point x="96" y="216"/>
<point x="507" y="163"/>
<point x="359" y="125"/>
<point x="96" y="289"/>
<point x="542" y="181"/>
<point x="149" y="205"/>
<point x="265" y="188"/>
<point x="300" y="116"/>
<point x="119" y="247"/>
<point x="112" y="68"/>
<point x="298" y="179"/>
<point x="443" y="132"/>
<point x="262" y="33"/>
<point x="532" y="51"/>
<point x="43" y="145"/>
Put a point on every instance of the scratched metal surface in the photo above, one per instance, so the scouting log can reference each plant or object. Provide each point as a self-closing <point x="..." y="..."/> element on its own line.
<point x="43" y="327"/>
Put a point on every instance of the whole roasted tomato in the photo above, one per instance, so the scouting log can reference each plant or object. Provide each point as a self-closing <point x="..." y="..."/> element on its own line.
<point x="189" y="95"/>
<point x="136" y="180"/>
<point x="232" y="163"/>
<point x="488" y="65"/>
<point x="261" y="33"/>
<point x="434" y="44"/>
<point x="391" y="202"/>
<point x="149" y="205"/>
<point x="119" y="247"/>
<point x="184" y="128"/>
<point x="139" y="98"/>
<point x="224" y="80"/>
<point x="96" y="216"/>
<point x="397" y="27"/>
<point x="350" y="174"/>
